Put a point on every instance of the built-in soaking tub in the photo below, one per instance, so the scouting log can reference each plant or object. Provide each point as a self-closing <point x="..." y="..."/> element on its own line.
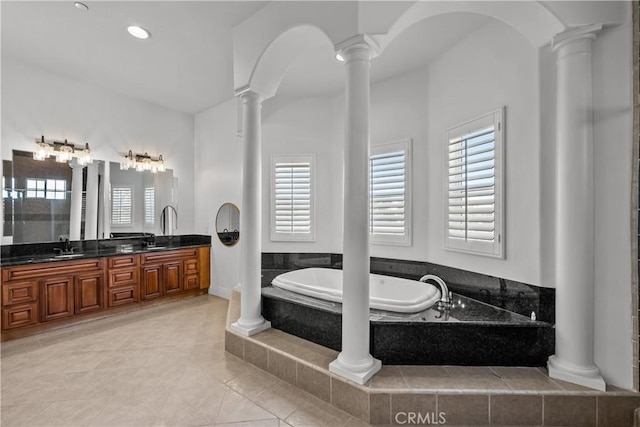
<point x="387" y="293"/>
<point x="406" y="326"/>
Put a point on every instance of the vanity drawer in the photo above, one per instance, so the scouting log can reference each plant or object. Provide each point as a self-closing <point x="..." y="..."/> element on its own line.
<point x="162" y="256"/>
<point x="123" y="261"/>
<point x="124" y="295"/>
<point x="19" y="292"/>
<point x="123" y="277"/>
<point x="191" y="266"/>
<point x="19" y="315"/>
<point x="191" y="281"/>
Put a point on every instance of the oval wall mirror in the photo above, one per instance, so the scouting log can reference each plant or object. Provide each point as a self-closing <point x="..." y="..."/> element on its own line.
<point x="228" y="224"/>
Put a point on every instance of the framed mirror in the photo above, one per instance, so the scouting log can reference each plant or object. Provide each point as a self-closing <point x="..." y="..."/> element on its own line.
<point x="142" y="202"/>
<point x="45" y="200"/>
<point x="228" y="224"/>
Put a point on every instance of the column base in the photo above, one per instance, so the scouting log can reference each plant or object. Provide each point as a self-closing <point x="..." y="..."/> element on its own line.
<point x="587" y="377"/>
<point x="357" y="374"/>
<point x="248" y="331"/>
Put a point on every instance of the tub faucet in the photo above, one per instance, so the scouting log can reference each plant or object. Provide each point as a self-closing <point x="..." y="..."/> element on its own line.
<point x="445" y="300"/>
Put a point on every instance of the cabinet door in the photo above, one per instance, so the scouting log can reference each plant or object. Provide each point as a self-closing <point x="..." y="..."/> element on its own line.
<point x="191" y="281"/>
<point x="89" y="289"/>
<point x="19" y="315"/>
<point x="19" y="292"/>
<point x="151" y="281"/>
<point x="172" y="277"/>
<point x="56" y="298"/>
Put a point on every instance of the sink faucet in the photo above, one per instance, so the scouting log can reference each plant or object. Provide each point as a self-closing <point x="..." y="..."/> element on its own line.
<point x="149" y="240"/>
<point x="66" y="248"/>
<point x="445" y="299"/>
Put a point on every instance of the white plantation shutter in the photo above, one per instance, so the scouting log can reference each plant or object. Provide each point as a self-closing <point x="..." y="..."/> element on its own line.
<point x="149" y="205"/>
<point x="292" y="198"/>
<point x="390" y="212"/>
<point x="121" y="206"/>
<point x="474" y="187"/>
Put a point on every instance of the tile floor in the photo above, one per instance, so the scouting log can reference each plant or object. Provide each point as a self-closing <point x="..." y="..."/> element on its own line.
<point x="162" y="366"/>
<point x="166" y="366"/>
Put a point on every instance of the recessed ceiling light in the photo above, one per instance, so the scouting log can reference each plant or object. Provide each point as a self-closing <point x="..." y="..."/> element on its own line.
<point x="138" y="32"/>
<point x="339" y="57"/>
<point x="81" y="6"/>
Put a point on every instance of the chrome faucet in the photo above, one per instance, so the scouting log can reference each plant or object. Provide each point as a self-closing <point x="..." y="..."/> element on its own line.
<point x="445" y="299"/>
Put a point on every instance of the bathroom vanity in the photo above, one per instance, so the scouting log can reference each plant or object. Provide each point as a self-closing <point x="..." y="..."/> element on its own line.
<point x="41" y="291"/>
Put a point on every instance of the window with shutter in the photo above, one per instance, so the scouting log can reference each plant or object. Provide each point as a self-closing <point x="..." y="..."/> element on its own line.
<point x="474" y="186"/>
<point x="292" y="206"/>
<point x="121" y="206"/>
<point x="149" y="205"/>
<point x="390" y="195"/>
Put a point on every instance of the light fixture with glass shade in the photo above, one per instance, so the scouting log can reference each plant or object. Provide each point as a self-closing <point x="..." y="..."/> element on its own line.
<point x="142" y="163"/>
<point x="62" y="151"/>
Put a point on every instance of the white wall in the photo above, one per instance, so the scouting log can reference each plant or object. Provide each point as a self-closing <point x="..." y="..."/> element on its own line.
<point x="612" y="98"/>
<point x="219" y="180"/>
<point x="36" y="102"/>
<point x="307" y="126"/>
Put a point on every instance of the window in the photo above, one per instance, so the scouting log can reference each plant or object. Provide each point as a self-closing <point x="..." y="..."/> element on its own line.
<point x="474" y="186"/>
<point x="292" y="205"/>
<point x="52" y="189"/>
<point x="390" y="193"/>
<point x="149" y="205"/>
<point x="121" y="205"/>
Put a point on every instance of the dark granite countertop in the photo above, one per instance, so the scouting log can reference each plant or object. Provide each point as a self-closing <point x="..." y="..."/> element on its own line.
<point x="34" y="253"/>
<point x="464" y="311"/>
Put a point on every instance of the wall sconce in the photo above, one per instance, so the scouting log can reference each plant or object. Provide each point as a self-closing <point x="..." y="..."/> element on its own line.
<point x="142" y="162"/>
<point x="63" y="151"/>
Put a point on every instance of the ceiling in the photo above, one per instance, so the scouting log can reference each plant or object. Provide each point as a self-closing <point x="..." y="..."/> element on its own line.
<point x="187" y="64"/>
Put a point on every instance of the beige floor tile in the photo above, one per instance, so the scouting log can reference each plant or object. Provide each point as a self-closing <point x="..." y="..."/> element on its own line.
<point x="318" y="413"/>
<point x="69" y="413"/>
<point x="228" y="368"/>
<point x="20" y="415"/>
<point x="236" y="407"/>
<point x="274" y="422"/>
<point x="252" y="382"/>
<point x="282" y="399"/>
<point x="131" y="409"/>
<point x="192" y="407"/>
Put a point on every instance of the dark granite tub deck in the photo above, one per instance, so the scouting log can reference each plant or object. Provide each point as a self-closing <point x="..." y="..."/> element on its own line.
<point x="472" y="333"/>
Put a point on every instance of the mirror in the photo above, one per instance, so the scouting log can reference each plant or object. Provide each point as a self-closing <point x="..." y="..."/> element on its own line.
<point x="140" y="201"/>
<point x="228" y="224"/>
<point x="45" y="201"/>
<point x="168" y="220"/>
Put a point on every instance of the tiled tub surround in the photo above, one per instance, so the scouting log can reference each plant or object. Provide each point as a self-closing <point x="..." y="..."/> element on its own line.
<point x="463" y="395"/>
<point x="27" y="253"/>
<point x="518" y="297"/>
<point x="471" y="333"/>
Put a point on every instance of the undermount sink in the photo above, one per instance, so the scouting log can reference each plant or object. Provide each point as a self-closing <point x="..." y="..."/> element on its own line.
<point x="67" y="256"/>
<point x="155" y="248"/>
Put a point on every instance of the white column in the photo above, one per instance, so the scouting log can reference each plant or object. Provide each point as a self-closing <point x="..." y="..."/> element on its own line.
<point x="574" y="358"/>
<point x="91" y="213"/>
<point x="75" y="216"/>
<point x="354" y="361"/>
<point x="251" y="321"/>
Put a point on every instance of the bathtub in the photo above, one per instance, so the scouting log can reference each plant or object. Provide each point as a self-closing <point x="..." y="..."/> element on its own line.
<point x="385" y="292"/>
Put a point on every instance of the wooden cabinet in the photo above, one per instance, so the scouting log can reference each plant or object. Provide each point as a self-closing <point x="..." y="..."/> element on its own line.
<point x="56" y="298"/>
<point x="42" y="293"/>
<point x="151" y="281"/>
<point x="89" y="292"/>
<point x="19" y="301"/>
<point x="166" y="273"/>
<point x="124" y="286"/>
